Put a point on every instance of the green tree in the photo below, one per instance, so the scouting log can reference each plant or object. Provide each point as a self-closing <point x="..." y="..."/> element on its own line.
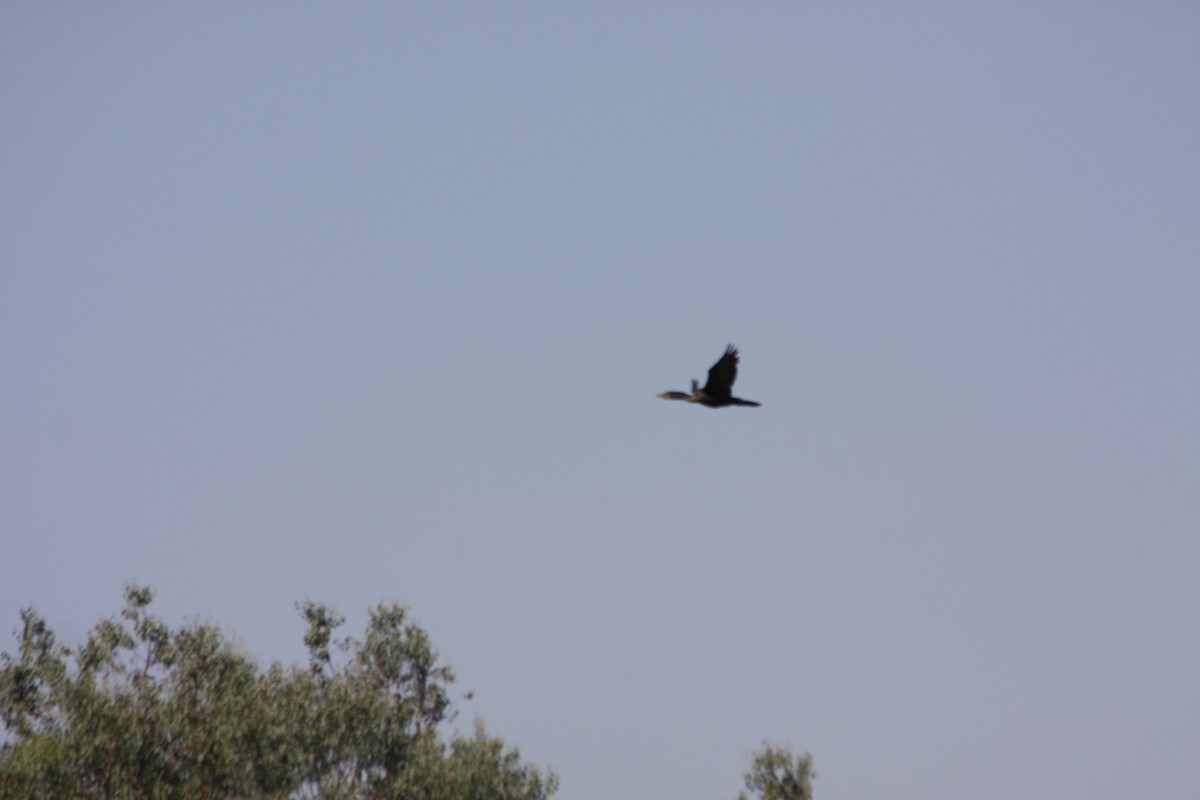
<point x="777" y="774"/>
<point x="143" y="711"/>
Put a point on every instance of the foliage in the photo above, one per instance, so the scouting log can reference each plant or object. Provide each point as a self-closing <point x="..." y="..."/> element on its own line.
<point x="142" y="711"/>
<point x="777" y="774"/>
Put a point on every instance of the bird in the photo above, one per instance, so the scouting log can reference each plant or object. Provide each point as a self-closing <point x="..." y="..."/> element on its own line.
<point x="718" y="392"/>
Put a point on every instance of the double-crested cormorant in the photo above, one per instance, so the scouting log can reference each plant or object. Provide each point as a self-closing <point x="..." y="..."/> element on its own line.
<point x="717" y="393"/>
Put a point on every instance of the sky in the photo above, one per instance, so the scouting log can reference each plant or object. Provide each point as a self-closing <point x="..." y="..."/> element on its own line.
<point x="370" y="302"/>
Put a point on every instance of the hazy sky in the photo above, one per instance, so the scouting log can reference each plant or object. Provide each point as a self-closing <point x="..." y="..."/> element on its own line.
<point x="371" y="302"/>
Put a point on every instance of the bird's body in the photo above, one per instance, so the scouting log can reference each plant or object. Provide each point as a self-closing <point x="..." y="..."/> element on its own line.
<point x="718" y="391"/>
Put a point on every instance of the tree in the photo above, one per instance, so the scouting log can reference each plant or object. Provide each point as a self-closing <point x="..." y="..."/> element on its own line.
<point x="143" y="711"/>
<point x="777" y="774"/>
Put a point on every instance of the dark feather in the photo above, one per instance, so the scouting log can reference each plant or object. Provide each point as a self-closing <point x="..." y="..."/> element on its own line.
<point x="723" y="374"/>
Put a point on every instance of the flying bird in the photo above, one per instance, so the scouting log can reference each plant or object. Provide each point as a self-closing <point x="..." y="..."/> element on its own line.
<point x="718" y="392"/>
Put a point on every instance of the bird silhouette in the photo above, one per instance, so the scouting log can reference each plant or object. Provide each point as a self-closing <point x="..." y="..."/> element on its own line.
<point x="718" y="392"/>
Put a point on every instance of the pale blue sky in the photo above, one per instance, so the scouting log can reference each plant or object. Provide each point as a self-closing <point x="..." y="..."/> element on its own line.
<point x="371" y="302"/>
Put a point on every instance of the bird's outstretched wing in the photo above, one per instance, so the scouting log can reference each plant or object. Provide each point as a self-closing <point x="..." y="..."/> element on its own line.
<point x="723" y="374"/>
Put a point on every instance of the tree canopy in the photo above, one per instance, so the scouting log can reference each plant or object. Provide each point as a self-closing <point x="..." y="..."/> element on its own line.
<point x="778" y="774"/>
<point x="140" y="711"/>
<point x="143" y="711"/>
